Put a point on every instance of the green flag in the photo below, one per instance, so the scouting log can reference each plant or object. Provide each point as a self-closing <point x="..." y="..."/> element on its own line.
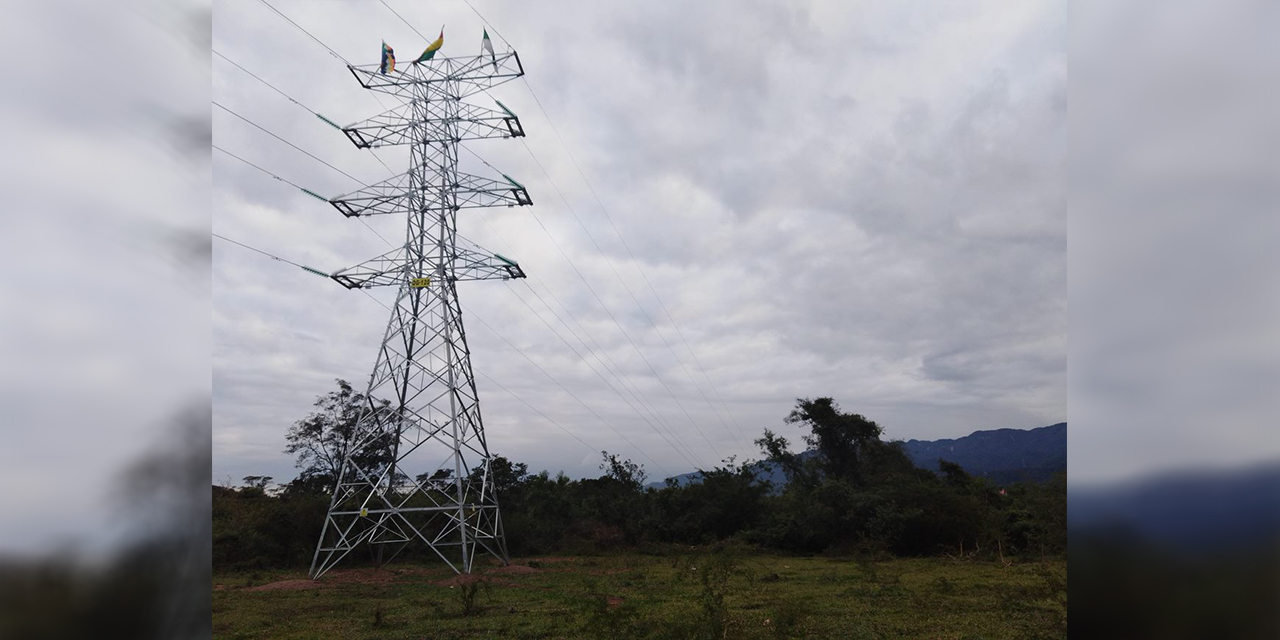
<point x="487" y="45"/>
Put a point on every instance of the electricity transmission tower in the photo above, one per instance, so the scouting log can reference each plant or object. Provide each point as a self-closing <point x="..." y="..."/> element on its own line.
<point x="416" y="468"/>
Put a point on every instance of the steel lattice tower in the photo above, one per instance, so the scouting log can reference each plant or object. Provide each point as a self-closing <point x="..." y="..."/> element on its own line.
<point x="416" y="467"/>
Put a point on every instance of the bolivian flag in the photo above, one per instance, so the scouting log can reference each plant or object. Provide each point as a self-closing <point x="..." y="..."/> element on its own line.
<point x="388" y="60"/>
<point x="432" y="48"/>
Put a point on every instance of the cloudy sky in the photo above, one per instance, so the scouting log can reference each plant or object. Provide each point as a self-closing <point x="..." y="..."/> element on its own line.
<point x="855" y="200"/>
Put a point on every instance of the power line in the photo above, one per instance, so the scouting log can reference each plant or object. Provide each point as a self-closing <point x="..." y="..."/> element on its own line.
<point x="291" y="99"/>
<point x="597" y="350"/>
<point x="489" y="24"/>
<point x="300" y="188"/>
<point x="575" y="268"/>
<point x="384" y="306"/>
<point x="500" y="386"/>
<point x="606" y="381"/>
<point x="442" y="404"/>
<point x="539" y="412"/>
<point x="406" y="22"/>
<point x="273" y="256"/>
<point x="602" y="303"/>
<point x="617" y="372"/>
<point x="596" y="295"/>
<point x="316" y="158"/>
<point x="273" y="87"/>
<point x="616" y="231"/>
<point x="630" y="253"/>
<point x="266" y="131"/>
<point x="326" y="47"/>
<point x="316" y="114"/>
<point x="648" y="364"/>
<point x="284" y="180"/>
<point x="571" y="394"/>
<point x="643" y="276"/>
<point x="318" y="41"/>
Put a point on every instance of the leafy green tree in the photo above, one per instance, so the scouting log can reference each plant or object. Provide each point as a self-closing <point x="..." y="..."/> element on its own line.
<point x="954" y="475"/>
<point x="505" y="476"/>
<point x="777" y="450"/>
<point x="725" y="501"/>
<point x="627" y="472"/>
<point x="841" y="439"/>
<point x="320" y="440"/>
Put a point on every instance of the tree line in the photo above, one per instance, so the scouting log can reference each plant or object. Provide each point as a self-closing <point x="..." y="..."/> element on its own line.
<point x="854" y="493"/>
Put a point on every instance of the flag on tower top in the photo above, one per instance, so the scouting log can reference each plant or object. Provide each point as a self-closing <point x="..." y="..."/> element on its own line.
<point x="432" y="48"/>
<point x="388" y="59"/>
<point x="487" y="45"/>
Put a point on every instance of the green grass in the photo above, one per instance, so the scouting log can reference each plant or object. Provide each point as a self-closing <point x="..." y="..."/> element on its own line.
<point x="635" y="596"/>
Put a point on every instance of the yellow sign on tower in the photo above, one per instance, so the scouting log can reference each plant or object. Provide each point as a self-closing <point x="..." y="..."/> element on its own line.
<point x="420" y="283"/>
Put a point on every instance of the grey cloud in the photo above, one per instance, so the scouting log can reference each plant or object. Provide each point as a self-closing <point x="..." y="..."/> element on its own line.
<point x="860" y="201"/>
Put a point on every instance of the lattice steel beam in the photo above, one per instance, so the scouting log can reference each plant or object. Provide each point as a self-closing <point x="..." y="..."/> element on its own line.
<point x="416" y="468"/>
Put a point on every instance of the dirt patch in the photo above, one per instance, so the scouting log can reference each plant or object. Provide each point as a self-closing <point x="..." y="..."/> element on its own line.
<point x="613" y="601"/>
<point x="361" y="576"/>
<point x="514" y="568"/>
<point x="553" y="559"/>
<point x="471" y="578"/>
<point x="609" y="572"/>
<point x="286" y="585"/>
<point x="385" y="576"/>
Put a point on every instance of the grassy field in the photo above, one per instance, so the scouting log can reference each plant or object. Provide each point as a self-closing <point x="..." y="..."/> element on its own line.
<point x="693" y="596"/>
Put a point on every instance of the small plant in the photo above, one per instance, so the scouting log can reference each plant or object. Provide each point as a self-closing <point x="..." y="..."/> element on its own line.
<point x="469" y="597"/>
<point x="867" y="565"/>
<point x="944" y="586"/>
<point x="786" y="619"/>
<point x="714" y="572"/>
<point x="377" y="616"/>
<point x="1054" y="585"/>
<point x="606" y="618"/>
<point x="1044" y="601"/>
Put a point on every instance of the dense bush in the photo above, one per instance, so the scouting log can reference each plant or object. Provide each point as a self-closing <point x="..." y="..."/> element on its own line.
<point x="858" y="494"/>
<point x="252" y="530"/>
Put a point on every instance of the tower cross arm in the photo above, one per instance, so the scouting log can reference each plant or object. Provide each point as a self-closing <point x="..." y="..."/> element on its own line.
<point x="398" y="126"/>
<point x="396" y="195"/>
<point x="470" y="75"/>
<point x="470" y="262"/>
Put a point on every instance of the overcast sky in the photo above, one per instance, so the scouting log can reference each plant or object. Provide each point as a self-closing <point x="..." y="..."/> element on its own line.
<point x="858" y="201"/>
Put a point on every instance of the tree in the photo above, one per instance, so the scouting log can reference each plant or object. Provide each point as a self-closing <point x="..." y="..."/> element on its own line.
<point x="320" y="440"/>
<point x="839" y="438"/>
<point x="776" y="450"/>
<point x="954" y="475"/>
<point x="504" y="475"/>
<point x="627" y="472"/>
<point x="257" y="482"/>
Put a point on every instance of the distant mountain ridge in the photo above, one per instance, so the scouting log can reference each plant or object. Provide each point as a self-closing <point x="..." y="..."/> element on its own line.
<point x="1002" y="455"/>
<point x="1189" y="509"/>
